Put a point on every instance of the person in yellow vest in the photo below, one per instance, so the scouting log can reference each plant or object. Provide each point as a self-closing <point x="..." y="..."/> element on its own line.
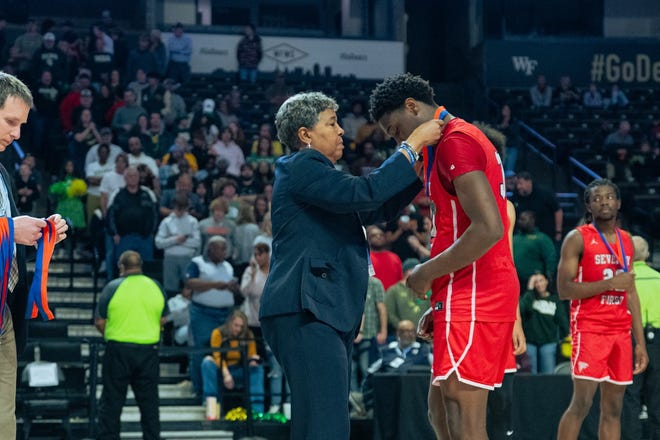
<point x="130" y="315"/>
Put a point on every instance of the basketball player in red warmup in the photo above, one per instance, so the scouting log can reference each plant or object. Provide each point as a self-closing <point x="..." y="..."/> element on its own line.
<point x="471" y="272"/>
<point x="595" y="273"/>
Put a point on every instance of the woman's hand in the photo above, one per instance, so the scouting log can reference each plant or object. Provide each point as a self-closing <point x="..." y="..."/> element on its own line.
<point x="428" y="133"/>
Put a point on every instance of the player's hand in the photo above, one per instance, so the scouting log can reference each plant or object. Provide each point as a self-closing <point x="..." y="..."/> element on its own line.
<point x="622" y="281"/>
<point x="519" y="341"/>
<point x="60" y="226"/>
<point x="27" y="230"/>
<point x="428" y="133"/>
<point x="425" y="325"/>
<point x="641" y="359"/>
<point x="418" y="281"/>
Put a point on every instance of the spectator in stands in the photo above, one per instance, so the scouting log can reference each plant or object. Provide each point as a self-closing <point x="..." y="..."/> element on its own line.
<point x="94" y="172"/>
<point x="248" y="54"/>
<point x="121" y="48"/>
<point x="213" y="285"/>
<point x="174" y="106"/>
<point x="100" y="63"/>
<point x="87" y="102"/>
<point x="244" y="234"/>
<point x="68" y="191"/>
<point x="179" y="237"/>
<point x="47" y="98"/>
<point x="372" y="334"/>
<point x="353" y="120"/>
<point x="545" y="323"/>
<point x="106" y="138"/>
<point x="85" y="135"/>
<point x="645" y="163"/>
<point x="218" y="224"/>
<point x="265" y="173"/>
<point x="533" y="251"/>
<point x="508" y="125"/>
<point x="252" y="286"/>
<point x="401" y="302"/>
<point x="133" y="217"/>
<point x="184" y="185"/>
<point x="405" y="238"/>
<point x="646" y="386"/>
<point x="136" y="156"/>
<point x="126" y="117"/>
<point x="618" y="166"/>
<point x="138" y="84"/>
<point x="264" y="151"/>
<point x="49" y="57"/>
<point x="159" y="139"/>
<point x="97" y="32"/>
<point x="25" y="46"/>
<point x="130" y="314"/>
<point x="620" y="138"/>
<point x="541" y="93"/>
<point x="266" y="131"/>
<point x="261" y="208"/>
<point x="592" y="98"/>
<point x="233" y="334"/>
<point x="113" y="181"/>
<point x="153" y="96"/>
<point x="206" y="122"/>
<point x="367" y="160"/>
<point x="248" y="184"/>
<point x="239" y="136"/>
<point x="387" y="265"/>
<point x="226" y="148"/>
<point x="179" y="47"/>
<point x="147" y="179"/>
<point x="106" y="100"/>
<point x="549" y="215"/>
<point x="617" y="99"/>
<point x="27" y="189"/>
<point x="399" y="356"/>
<point x="278" y="92"/>
<point x="566" y="94"/>
<point x="141" y="57"/>
<point x="159" y="50"/>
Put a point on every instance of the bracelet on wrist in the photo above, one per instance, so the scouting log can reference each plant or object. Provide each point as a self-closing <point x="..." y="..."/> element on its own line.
<point x="410" y="150"/>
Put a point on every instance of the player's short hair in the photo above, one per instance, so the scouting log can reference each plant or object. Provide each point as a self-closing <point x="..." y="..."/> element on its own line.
<point x="391" y="94"/>
<point x="598" y="183"/>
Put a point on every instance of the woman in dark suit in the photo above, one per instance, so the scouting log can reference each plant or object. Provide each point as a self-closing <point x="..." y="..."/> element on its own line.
<point x="313" y="300"/>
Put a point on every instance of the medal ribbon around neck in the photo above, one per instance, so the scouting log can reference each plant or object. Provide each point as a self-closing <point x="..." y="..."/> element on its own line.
<point x="623" y="262"/>
<point x="429" y="153"/>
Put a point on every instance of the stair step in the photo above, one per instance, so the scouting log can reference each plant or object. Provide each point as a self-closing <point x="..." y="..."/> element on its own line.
<point x="185" y="435"/>
<point x="167" y="413"/>
<point x="64" y="297"/>
<point x="165" y="391"/>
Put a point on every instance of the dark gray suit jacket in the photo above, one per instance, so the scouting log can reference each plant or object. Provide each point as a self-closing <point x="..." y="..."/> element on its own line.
<point x="17" y="300"/>
<point x="319" y="260"/>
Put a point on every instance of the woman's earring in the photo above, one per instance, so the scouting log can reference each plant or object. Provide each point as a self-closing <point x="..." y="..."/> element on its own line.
<point x="309" y="145"/>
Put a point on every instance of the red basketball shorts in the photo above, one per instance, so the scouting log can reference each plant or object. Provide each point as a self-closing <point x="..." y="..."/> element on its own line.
<point x="478" y="353"/>
<point x="602" y="357"/>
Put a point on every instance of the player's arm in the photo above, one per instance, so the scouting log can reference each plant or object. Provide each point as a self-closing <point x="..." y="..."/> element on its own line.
<point x="568" y="288"/>
<point x="486" y="228"/>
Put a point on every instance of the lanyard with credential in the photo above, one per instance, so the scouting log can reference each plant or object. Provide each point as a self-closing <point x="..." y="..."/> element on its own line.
<point x="429" y="153"/>
<point x="38" y="295"/>
<point x="6" y="255"/>
<point x="621" y="258"/>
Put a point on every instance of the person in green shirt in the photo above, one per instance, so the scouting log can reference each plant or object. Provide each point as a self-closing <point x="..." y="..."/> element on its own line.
<point x="401" y="302"/>
<point x="545" y="322"/>
<point x="533" y="251"/>
<point x="646" y="385"/>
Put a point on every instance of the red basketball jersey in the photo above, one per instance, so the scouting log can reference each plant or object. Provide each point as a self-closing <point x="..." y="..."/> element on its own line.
<point x="606" y="312"/>
<point x="487" y="289"/>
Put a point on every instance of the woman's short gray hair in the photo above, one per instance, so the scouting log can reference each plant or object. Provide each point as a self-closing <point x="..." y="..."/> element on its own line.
<point x="301" y="110"/>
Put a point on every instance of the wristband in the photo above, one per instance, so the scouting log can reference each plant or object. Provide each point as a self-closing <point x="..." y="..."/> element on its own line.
<point x="411" y="151"/>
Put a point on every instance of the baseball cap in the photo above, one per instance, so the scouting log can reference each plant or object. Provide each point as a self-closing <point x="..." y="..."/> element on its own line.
<point x="208" y="106"/>
<point x="85" y="92"/>
<point x="410" y="263"/>
<point x="509" y="173"/>
<point x="49" y="36"/>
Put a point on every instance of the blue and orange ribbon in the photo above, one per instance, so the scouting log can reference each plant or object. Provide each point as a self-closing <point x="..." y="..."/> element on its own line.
<point x="429" y="153"/>
<point x="38" y="295"/>
<point x="6" y="254"/>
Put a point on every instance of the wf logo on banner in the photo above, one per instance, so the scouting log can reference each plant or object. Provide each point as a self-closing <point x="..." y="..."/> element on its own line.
<point x="524" y="64"/>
